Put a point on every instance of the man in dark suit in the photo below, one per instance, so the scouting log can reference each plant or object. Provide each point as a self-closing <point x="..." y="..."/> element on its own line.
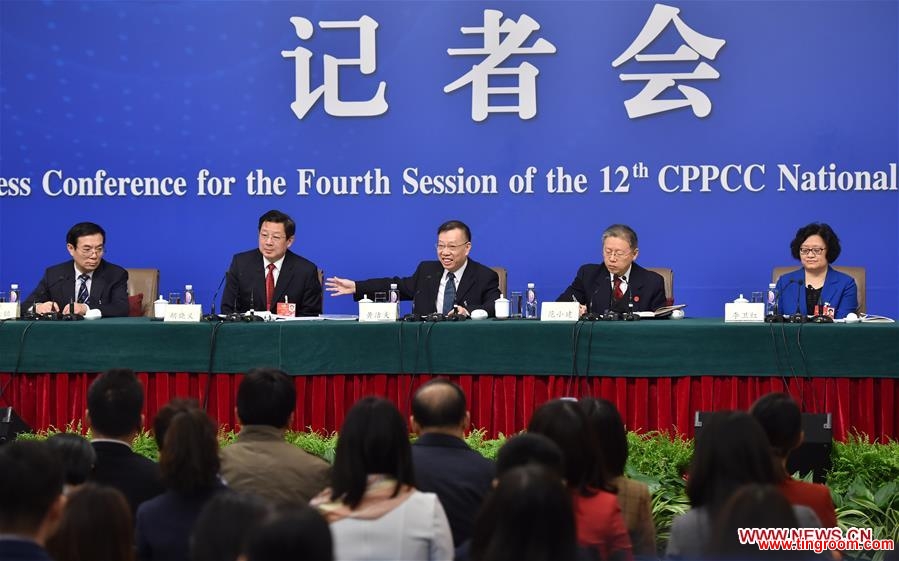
<point x="443" y="462"/>
<point x="260" y="278"/>
<point x="619" y="281"/>
<point x="88" y="281"/>
<point x="31" y="499"/>
<point x="114" y="403"/>
<point x="454" y="284"/>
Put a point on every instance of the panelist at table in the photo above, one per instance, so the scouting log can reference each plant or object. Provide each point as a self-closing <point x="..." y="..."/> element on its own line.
<point x="454" y="284"/>
<point x="87" y="281"/>
<point x="260" y="278"/>
<point x="618" y="281"/>
<point x="816" y="246"/>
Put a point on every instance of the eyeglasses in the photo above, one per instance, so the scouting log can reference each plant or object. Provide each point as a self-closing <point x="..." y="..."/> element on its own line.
<point x="812" y="250"/>
<point x="87" y="250"/>
<point x="452" y="248"/>
<point x="617" y="253"/>
<point x="271" y="237"/>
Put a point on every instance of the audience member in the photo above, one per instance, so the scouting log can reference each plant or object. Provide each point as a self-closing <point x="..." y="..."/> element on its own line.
<point x="372" y="506"/>
<point x="731" y="451"/>
<point x="597" y="514"/>
<point x="95" y="526"/>
<point x="530" y="448"/>
<point x="77" y="455"/>
<point x="189" y="463"/>
<point x="224" y="524"/>
<point x="633" y="496"/>
<point x="31" y="499"/>
<point x="261" y="461"/>
<point x="295" y="533"/>
<point x="443" y="462"/>
<point x="781" y="419"/>
<point x="114" y="403"/>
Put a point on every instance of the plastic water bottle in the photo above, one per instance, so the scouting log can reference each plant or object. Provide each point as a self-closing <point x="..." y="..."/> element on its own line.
<point x="394" y="298"/>
<point x="530" y="303"/>
<point x="770" y="300"/>
<point x="13" y="293"/>
<point x="188" y="294"/>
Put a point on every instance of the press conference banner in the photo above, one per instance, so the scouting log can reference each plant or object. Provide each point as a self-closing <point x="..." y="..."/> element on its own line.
<point x="715" y="129"/>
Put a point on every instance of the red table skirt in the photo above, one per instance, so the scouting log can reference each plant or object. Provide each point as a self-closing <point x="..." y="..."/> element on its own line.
<point x="499" y="404"/>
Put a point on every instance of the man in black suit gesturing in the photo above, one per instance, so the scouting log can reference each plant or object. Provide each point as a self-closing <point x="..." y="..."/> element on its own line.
<point x="454" y="284"/>
<point x="260" y="278"/>
<point x="619" y="280"/>
<point x="87" y="281"/>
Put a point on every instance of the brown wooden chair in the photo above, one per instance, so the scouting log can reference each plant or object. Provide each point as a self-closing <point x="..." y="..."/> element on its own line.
<point x="857" y="273"/>
<point x="503" y="278"/>
<point x="668" y="277"/>
<point x="146" y="282"/>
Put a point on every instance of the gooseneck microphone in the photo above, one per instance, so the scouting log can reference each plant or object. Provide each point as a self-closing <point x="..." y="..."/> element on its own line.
<point x="630" y="315"/>
<point x="211" y="316"/>
<point x="590" y="315"/>
<point x="819" y="316"/>
<point x="798" y="316"/>
<point x="33" y="315"/>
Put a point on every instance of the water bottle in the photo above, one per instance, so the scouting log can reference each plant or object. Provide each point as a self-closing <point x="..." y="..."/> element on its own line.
<point x="771" y="300"/>
<point x="13" y="293"/>
<point x="394" y="298"/>
<point x="188" y="294"/>
<point x="530" y="304"/>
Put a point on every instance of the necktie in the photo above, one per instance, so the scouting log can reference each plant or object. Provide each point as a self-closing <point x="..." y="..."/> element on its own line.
<point x="269" y="286"/>
<point x="449" y="293"/>
<point x="83" y="294"/>
<point x="617" y="292"/>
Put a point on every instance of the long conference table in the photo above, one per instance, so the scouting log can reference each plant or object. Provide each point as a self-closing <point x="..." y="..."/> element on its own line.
<point x="659" y="373"/>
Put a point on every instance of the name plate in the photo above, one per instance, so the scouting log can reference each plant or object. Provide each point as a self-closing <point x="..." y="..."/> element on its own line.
<point x="9" y="310"/>
<point x="747" y="312"/>
<point x="377" y="311"/>
<point x="560" y="311"/>
<point x="184" y="313"/>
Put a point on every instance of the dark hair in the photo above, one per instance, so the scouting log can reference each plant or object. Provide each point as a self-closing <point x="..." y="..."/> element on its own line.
<point x="266" y="396"/>
<point x="527" y="517"/>
<point x="114" y="402"/>
<point x="610" y="433"/>
<point x="731" y="451"/>
<point x="278" y="217"/>
<point x="780" y="418"/>
<point x="453" y="225"/>
<point x="188" y="448"/>
<point x="439" y="403"/>
<point x="373" y="439"/>
<point x="621" y="231"/>
<point x="223" y="526"/>
<point x="96" y="526"/>
<point x="530" y="449"/>
<point x="565" y="423"/>
<point x="817" y="229"/>
<point x="295" y="532"/>
<point x="751" y="506"/>
<point x="83" y="229"/>
<point x="31" y="479"/>
<point x="77" y="455"/>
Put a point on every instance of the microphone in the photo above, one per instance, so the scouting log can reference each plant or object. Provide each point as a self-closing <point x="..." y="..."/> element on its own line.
<point x="776" y="316"/>
<point x="590" y="316"/>
<point x="412" y="316"/>
<point x="610" y="314"/>
<point x="72" y="316"/>
<point x="33" y="315"/>
<point x="630" y="315"/>
<point x="251" y="316"/>
<point x="798" y="316"/>
<point x="819" y="315"/>
<point x="211" y="316"/>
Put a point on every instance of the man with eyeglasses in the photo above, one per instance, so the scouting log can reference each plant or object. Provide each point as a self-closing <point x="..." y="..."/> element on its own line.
<point x="619" y="281"/>
<point x="454" y="284"/>
<point x="260" y="278"/>
<point x="88" y="282"/>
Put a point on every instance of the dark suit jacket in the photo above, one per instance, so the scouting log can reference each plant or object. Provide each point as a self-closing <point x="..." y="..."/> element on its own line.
<point x="22" y="550"/>
<point x="479" y="287"/>
<point x="460" y="477"/>
<point x="109" y="288"/>
<point x="592" y="286"/>
<point x="839" y="291"/>
<point x="132" y="474"/>
<point x="245" y="284"/>
<point x="163" y="525"/>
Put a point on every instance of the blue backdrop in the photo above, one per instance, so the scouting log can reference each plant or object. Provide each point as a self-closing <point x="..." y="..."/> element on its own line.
<point x="163" y="89"/>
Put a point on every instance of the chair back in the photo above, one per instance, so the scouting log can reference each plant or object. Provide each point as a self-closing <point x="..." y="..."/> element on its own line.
<point x="146" y="282"/>
<point x="857" y="273"/>
<point x="668" y="277"/>
<point x="503" y="278"/>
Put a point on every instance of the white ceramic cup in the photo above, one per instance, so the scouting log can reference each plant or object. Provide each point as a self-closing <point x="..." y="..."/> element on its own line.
<point x="501" y="307"/>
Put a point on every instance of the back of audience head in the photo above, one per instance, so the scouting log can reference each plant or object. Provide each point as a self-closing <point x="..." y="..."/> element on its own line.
<point x="31" y="499"/>
<point x="77" y="455"/>
<point x="731" y="451"/>
<point x="439" y="405"/>
<point x="266" y="396"/>
<point x="96" y="526"/>
<point x="565" y="423"/>
<point x="751" y="506"/>
<point x="295" y="533"/>
<point x="114" y="403"/>
<point x="527" y="517"/>
<point x="530" y="449"/>
<point x="223" y="526"/>
<point x="781" y="419"/>
<point x="374" y="439"/>
<point x="608" y="427"/>
<point x="188" y="447"/>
